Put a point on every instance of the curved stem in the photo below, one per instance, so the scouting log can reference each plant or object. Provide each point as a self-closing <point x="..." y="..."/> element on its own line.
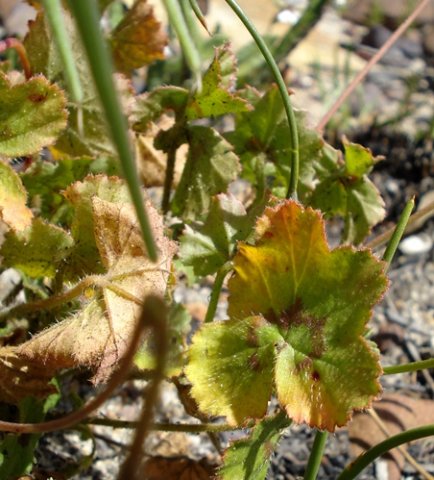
<point x="177" y="21"/>
<point x="316" y="454"/>
<point x="87" y="19"/>
<point x="361" y="462"/>
<point x="21" y="51"/>
<point x="398" y="232"/>
<point x="53" y="10"/>
<point x="409" y="367"/>
<point x="156" y="318"/>
<point x="199" y="15"/>
<point x="216" y="289"/>
<point x="118" y="377"/>
<point x="365" y="70"/>
<point x="294" y="158"/>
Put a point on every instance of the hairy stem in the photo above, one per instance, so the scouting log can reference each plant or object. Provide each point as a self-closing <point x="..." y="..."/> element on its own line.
<point x="118" y="377"/>
<point x="294" y="151"/>
<point x="361" y="462"/>
<point x="157" y="319"/>
<point x="316" y="454"/>
<point x="366" y="69"/>
<point x="216" y="289"/>
<point x="87" y="19"/>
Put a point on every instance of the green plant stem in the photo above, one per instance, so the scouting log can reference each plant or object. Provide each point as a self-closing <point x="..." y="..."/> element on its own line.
<point x="87" y="19"/>
<point x="157" y="319"/>
<point x="294" y="157"/>
<point x="168" y="179"/>
<point x="409" y="367"/>
<point x="297" y="32"/>
<point x="54" y="14"/>
<point x="216" y="289"/>
<point x="316" y="454"/>
<point x="191" y="54"/>
<point x="361" y="462"/>
<point x="398" y="232"/>
<point x="200" y="16"/>
<point x="167" y="427"/>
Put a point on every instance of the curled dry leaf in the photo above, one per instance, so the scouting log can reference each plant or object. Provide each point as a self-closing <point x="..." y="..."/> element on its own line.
<point x="97" y="335"/>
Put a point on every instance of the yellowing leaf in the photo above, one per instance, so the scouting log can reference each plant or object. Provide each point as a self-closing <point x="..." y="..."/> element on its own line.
<point x="97" y="335"/>
<point x="32" y="115"/>
<point x="315" y="303"/>
<point x="38" y="250"/>
<point x="13" y="198"/>
<point x="138" y="39"/>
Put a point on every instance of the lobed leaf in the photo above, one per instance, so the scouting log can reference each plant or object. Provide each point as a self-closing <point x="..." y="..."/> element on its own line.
<point x="32" y="115"/>
<point x="249" y="459"/>
<point x="138" y="39"/>
<point x="37" y="250"/>
<point x="314" y="303"/>
<point x="13" y="199"/>
<point x="210" y="167"/>
<point x="217" y="95"/>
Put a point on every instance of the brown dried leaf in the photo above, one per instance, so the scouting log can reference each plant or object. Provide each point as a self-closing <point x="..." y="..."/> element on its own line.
<point x="398" y="413"/>
<point x="96" y="336"/>
<point x="138" y="39"/>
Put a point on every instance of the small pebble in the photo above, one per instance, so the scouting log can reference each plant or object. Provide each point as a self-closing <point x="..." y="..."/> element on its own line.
<point x="416" y="244"/>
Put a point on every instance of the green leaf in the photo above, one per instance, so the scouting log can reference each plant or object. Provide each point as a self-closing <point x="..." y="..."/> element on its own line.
<point x="86" y="133"/>
<point x="211" y="166"/>
<point x="346" y="191"/>
<point x="313" y="305"/>
<point x="179" y="323"/>
<point x="138" y="39"/>
<point x="216" y="96"/>
<point x="231" y="368"/>
<point x="32" y="115"/>
<point x="13" y="199"/>
<point x="207" y="247"/>
<point x="38" y="250"/>
<point x="249" y="459"/>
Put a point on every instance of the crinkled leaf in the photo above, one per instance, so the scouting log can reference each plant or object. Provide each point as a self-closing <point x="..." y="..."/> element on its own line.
<point x="38" y="250"/>
<point x="32" y="115"/>
<point x="207" y="247"/>
<point x="179" y="324"/>
<point x="138" y="39"/>
<point x="315" y="303"/>
<point x="321" y="300"/>
<point x="217" y="96"/>
<point x="150" y="106"/>
<point x="231" y="368"/>
<point x="13" y="199"/>
<point x="97" y="335"/>
<point x="349" y="193"/>
<point x="211" y="166"/>
<point x="85" y="256"/>
<point x="249" y="459"/>
<point x="86" y="132"/>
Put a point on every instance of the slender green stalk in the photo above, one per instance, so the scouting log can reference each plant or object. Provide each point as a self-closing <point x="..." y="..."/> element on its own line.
<point x="168" y="179"/>
<point x="216" y="289"/>
<point x="409" y="367"/>
<point x="53" y="11"/>
<point x="191" y="54"/>
<point x="398" y="232"/>
<point x="361" y="462"/>
<point x="87" y="17"/>
<point x="200" y="16"/>
<point x="294" y="158"/>
<point x="166" y="427"/>
<point x="316" y="454"/>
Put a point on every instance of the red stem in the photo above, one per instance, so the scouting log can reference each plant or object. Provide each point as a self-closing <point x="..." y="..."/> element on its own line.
<point x="12" y="42"/>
